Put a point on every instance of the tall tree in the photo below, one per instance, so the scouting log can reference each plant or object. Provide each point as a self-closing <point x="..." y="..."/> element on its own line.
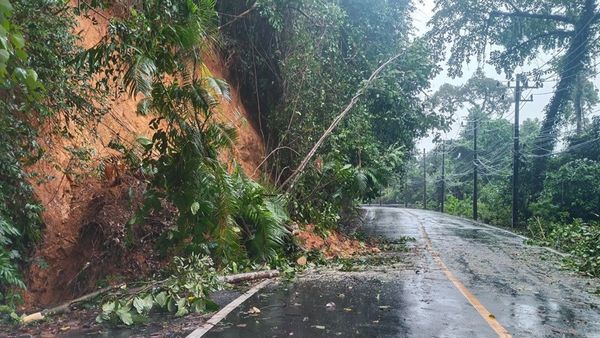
<point x="300" y="63"/>
<point x="522" y="29"/>
<point x="480" y="93"/>
<point x="583" y="98"/>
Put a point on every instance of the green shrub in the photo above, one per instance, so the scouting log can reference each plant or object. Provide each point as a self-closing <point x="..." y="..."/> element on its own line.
<point x="262" y="218"/>
<point x="495" y="204"/>
<point x="457" y="207"/>
<point x="580" y="239"/>
<point x="574" y="189"/>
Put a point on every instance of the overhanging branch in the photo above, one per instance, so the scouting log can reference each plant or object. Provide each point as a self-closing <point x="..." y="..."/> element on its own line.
<point x="540" y="16"/>
<point x="239" y="16"/>
<point x="554" y="33"/>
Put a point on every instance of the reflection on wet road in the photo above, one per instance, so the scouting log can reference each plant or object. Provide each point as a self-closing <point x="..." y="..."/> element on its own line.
<point x="523" y="287"/>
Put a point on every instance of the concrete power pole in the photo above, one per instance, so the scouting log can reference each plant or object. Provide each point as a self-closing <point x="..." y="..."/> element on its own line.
<point x="406" y="190"/>
<point x="516" y="150"/>
<point x="424" y="180"/>
<point x="519" y="86"/>
<point x="475" y="169"/>
<point x="443" y="176"/>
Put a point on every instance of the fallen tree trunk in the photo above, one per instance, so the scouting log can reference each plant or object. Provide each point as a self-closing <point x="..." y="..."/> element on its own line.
<point x="249" y="276"/>
<point x="66" y="307"/>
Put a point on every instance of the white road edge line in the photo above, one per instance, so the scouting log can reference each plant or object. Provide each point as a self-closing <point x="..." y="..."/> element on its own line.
<point x="214" y="320"/>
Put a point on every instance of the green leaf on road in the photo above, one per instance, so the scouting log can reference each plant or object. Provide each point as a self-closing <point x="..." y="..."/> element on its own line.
<point x="143" y="305"/>
<point x="125" y="315"/>
<point x="161" y="299"/>
<point x="108" y="308"/>
<point x="181" y="308"/>
<point x="195" y="207"/>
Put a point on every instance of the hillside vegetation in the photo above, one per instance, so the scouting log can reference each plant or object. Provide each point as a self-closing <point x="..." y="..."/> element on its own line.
<point x="122" y="148"/>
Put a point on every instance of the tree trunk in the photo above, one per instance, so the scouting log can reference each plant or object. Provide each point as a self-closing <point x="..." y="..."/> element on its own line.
<point x="296" y="174"/>
<point x="577" y="55"/>
<point x="249" y="276"/>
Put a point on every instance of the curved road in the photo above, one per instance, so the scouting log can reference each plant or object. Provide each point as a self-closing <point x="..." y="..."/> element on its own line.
<point x="463" y="280"/>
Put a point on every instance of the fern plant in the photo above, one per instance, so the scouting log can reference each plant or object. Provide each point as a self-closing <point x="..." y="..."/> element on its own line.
<point x="156" y="52"/>
<point x="262" y="218"/>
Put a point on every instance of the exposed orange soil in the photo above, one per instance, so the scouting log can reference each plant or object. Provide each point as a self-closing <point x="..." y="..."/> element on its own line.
<point x="336" y="245"/>
<point x="86" y="207"/>
<point x="249" y="151"/>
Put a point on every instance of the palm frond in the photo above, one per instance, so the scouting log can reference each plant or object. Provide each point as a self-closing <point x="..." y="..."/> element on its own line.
<point x="220" y="87"/>
<point x="139" y="76"/>
<point x="361" y="180"/>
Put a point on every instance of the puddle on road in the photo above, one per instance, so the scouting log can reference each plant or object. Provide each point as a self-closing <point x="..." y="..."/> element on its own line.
<point x="479" y="235"/>
<point x="322" y="308"/>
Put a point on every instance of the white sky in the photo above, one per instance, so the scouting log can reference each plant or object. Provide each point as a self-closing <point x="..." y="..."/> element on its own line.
<point x="421" y="15"/>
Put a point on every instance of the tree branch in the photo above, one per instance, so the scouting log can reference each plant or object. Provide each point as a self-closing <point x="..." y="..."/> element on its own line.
<point x="557" y="33"/>
<point x="553" y="17"/>
<point x="239" y="16"/>
<point x="511" y="4"/>
<point x="296" y="174"/>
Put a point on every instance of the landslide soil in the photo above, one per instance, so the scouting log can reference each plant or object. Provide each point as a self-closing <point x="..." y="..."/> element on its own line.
<point x="88" y="203"/>
<point x="333" y="245"/>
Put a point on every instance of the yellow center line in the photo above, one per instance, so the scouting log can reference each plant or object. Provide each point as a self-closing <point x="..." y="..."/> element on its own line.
<point x="483" y="312"/>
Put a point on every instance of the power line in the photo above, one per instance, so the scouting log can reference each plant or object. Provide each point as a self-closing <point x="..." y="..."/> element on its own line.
<point x="556" y="55"/>
<point x="571" y="148"/>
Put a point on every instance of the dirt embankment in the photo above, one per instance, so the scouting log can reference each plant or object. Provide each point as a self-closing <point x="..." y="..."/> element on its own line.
<point x="88" y="202"/>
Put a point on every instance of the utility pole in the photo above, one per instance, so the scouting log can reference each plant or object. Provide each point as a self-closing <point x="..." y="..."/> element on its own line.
<point x="475" y="168"/>
<point x="424" y="181"/>
<point x="443" y="176"/>
<point x="519" y="86"/>
<point x="406" y="190"/>
<point x="516" y="150"/>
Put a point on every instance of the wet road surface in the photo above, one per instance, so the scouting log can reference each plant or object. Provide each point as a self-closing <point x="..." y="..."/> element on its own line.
<point x="524" y="288"/>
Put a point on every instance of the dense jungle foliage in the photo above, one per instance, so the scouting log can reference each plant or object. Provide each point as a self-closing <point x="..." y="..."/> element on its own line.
<point x="298" y="65"/>
<point x="38" y="86"/>
<point x="47" y="88"/>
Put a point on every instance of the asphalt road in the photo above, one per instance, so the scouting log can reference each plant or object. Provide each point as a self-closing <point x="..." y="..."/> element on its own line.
<point x="460" y="279"/>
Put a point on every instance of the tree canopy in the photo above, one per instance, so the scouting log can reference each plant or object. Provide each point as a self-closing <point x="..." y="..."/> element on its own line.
<point x="508" y="34"/>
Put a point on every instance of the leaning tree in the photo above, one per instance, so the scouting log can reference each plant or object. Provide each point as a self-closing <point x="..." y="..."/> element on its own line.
<point x="509" y="33"/>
